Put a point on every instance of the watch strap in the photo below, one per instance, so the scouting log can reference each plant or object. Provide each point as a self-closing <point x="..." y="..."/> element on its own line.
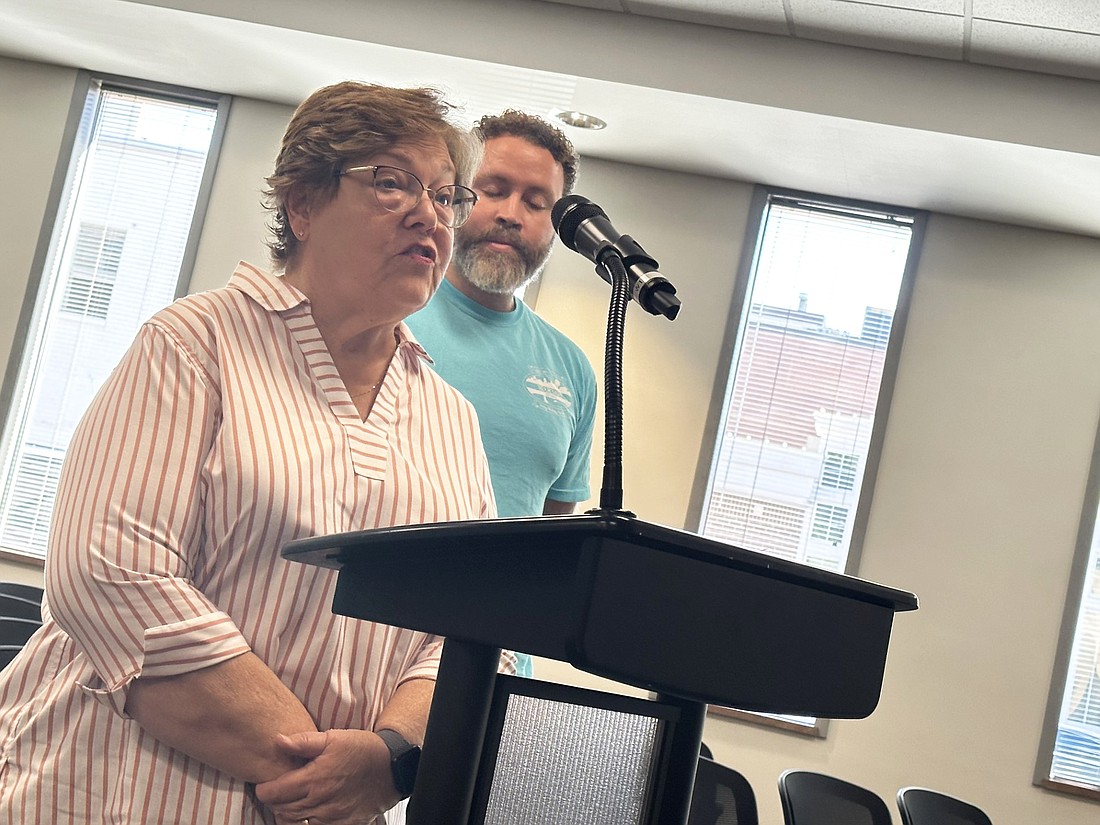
<point x="404" y="759"/>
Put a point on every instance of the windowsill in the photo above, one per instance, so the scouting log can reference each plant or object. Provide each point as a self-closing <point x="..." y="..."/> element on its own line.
<point x="1070" y="789"/>
<point x="22" y="557"/>
<point x="817" y="731"/>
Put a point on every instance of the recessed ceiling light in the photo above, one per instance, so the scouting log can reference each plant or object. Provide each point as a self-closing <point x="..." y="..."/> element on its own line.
<point x="580" y="120"/>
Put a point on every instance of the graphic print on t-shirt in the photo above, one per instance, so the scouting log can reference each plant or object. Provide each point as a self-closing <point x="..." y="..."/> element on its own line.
<point x="549" y="391"/>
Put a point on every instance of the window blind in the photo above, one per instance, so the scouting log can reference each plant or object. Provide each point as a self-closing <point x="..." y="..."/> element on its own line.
<point x="116" y="252"/>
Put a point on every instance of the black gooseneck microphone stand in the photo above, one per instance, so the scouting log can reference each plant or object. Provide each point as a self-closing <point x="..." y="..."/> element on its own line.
<point x="620" y="260"/>
<point x="611" y="491"/>
<point x="612" y="269"/>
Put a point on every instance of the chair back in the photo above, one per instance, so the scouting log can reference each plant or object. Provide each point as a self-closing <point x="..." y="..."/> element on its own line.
<point x="721" y="796"/>
<point x="29" y="592"/>
<point x="7" y="653"/>
<point x="17" y="608"/>
<point x="20" y="617"/>
<point x="921" y="806"/>
<point x="17" y="631"/>
<point x="817" y="799"/>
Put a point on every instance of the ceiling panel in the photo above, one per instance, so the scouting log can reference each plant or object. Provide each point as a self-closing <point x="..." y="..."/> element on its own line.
<point x="931" y="28"/>
<point x="1046" y="50"/>
<point x="955" y="7"/>
<point x="765" y="16"/>
<point x="603" y="5"/>
<point x="879" y="27"/>
<point x="1070" y="15"/>
<point x="1020" y="147"/>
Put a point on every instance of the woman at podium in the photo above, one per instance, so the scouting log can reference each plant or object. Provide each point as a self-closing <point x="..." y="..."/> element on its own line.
<point x="185" y="672"/>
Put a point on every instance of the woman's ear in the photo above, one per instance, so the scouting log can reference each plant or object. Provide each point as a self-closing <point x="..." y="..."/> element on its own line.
<point x="298" y="213"/>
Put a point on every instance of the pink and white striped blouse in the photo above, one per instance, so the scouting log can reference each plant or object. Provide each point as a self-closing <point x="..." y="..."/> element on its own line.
<point x="224" y="433"/>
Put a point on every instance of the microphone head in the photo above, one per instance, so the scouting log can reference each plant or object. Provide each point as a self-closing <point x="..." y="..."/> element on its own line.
<point x="569" y="213"/>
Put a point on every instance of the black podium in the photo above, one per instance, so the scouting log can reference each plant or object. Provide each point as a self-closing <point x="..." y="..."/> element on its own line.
<point x="694" y="620"/>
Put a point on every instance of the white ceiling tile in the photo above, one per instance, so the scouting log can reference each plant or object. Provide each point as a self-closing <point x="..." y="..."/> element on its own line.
<point x="765" y="16"/>
<point x="879" y="27"/>
<point x="602" y="5"/>
<point x="1071" y="15"/>
<point x="1035" y="49"/>
<point x="955" y="7"/>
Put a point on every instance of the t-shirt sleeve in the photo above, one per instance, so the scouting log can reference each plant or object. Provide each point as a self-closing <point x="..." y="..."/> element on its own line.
<point x="573" y="483"/>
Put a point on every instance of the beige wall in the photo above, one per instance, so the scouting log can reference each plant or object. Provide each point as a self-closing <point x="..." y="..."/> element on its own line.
<point x="235" y="220"/>
<point x="981" y="480"/>
<point x="35" y="100"/>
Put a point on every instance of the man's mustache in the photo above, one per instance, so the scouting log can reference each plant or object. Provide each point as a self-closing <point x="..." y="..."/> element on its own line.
<point x="528" y="256"/>
<point x="498" y="236"/>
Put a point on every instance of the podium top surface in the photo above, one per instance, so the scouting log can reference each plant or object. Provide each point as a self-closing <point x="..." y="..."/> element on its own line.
<point x="343" y="549"/>
<point x="629" y="600"/>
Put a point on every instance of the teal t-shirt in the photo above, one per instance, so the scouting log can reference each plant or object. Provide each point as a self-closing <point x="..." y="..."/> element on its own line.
<point x="534" y="391"/>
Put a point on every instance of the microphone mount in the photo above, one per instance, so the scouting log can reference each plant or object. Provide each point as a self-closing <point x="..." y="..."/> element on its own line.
<point x="585" y="228"/>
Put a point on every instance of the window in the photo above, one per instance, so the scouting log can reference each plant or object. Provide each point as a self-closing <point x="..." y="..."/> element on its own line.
<point x="1069" y="758"/>
<point x="135" y="179"/>
<point x="801" y="398"/>
<point x="95" y="261"/>
<point x="839" y="471"/>
<point x="830" y="523"/>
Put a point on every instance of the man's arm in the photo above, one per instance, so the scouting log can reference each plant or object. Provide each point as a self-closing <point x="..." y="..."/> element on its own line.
<point x="553" y="507"/>
<point x="226" y="716"/>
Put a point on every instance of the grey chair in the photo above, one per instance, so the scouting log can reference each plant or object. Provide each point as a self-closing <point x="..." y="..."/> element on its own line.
<point x="17" y="608"/>
<point x="20" y="617"/>
<point x="17" y="631"/>
<point x="7" y="653"/>
<point x="14" y="633"/>
<point x="721" y="796"/>
<point x="818" y="799"/>
<point x="29" y="592"/>
<point x="921" y="806"/>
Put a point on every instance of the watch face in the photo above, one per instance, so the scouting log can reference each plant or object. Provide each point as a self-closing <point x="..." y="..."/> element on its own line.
<point x="404" y="770"/>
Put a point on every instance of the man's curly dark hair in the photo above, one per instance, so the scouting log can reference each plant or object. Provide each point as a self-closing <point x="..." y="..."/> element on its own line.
<point x="512" y="122"/>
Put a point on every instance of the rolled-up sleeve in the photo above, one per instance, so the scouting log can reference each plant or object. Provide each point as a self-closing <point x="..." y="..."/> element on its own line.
<point x="127" y="528"/>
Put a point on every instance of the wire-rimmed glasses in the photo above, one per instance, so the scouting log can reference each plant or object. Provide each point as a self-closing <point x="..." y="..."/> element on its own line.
<point x="398" y="190"/>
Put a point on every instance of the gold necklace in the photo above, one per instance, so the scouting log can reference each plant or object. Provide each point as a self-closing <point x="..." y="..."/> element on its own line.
<point x="367" y="391"/>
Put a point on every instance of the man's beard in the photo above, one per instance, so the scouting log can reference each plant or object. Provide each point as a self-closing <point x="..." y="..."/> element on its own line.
<point x="499" y="272"/>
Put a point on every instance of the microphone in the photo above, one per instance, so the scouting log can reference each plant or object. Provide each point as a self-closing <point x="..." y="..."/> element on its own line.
<point x="585" y="228"/>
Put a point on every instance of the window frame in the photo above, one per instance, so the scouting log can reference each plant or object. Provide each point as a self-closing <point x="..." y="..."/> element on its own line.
<point x="722" y="388"/>
<point x="1075" y="595"/>
<point x="35" y="301"/>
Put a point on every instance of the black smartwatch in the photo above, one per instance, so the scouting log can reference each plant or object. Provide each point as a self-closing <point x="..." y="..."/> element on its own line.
<point x="404" y="760"/>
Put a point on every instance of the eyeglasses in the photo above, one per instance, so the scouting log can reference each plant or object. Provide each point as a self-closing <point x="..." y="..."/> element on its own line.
<point x="397" y="190"/>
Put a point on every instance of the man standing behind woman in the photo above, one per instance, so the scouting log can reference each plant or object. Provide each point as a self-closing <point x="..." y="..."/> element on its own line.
<point x="533" y="388"/>
<point x="185" y="672"/>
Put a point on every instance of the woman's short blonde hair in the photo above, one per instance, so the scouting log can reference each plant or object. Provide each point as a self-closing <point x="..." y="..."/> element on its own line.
<point x="347" y="122"/>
